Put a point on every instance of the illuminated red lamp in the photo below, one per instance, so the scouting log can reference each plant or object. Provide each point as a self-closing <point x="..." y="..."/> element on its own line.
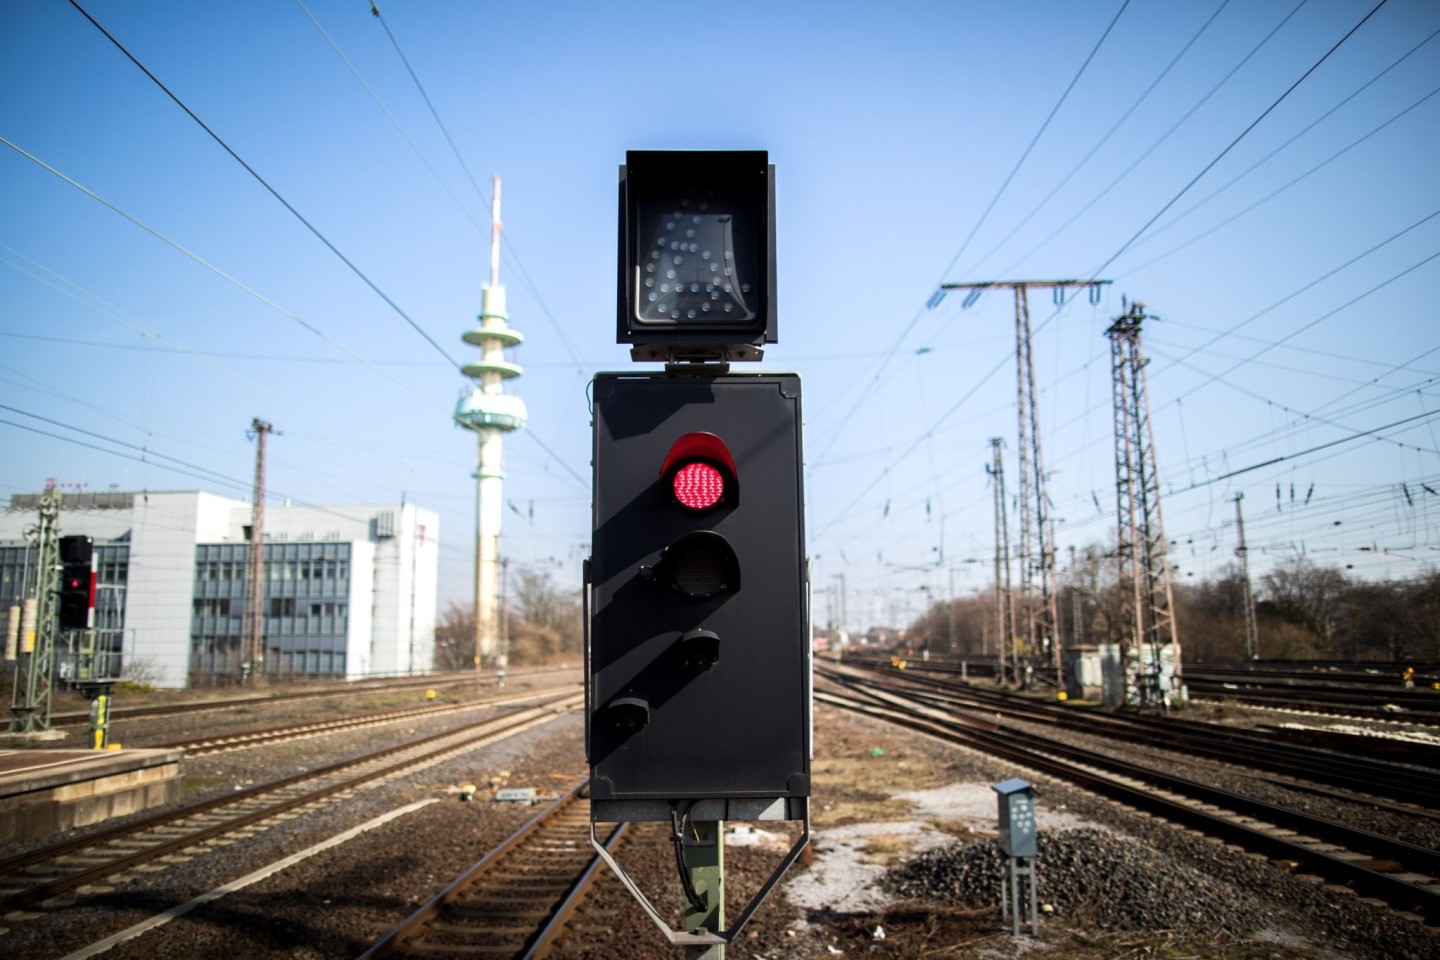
<point x="700" y="473"/>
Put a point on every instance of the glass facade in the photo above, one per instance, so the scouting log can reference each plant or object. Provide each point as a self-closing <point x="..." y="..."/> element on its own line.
<point x="305" y="609"/>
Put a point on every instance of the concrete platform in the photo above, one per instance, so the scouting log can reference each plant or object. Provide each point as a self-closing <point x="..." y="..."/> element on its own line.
<point x="48" y="791"/>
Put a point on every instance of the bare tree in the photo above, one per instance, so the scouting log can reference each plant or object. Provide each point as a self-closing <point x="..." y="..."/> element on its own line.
<point x="545" y="619"/>
<point x="1308" y="596"/>
<point x="455" y="637"/>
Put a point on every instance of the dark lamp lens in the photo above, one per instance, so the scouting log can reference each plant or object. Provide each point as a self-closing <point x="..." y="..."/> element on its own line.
<point x="699" y="568"/>
<point x="698" y="486"/>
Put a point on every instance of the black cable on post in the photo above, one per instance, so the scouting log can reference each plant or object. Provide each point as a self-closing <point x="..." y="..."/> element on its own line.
<point x="677" y="836"/>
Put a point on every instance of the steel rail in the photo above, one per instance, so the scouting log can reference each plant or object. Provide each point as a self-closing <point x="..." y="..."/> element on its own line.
<point x="410" y="932"/>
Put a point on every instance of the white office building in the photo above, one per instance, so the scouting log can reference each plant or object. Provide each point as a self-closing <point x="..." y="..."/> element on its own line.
<point x="349" y="591"/>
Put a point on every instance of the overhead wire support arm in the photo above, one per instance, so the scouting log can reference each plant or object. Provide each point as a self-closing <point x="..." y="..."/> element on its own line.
<point x="1037" y="611"/>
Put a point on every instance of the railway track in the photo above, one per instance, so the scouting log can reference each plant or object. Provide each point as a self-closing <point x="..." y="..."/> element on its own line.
<point x="517" y="901"/>
<point x="1341" y="694"/>
<point x="300" y="731"/>
<point x="336" y="690"/>
<point x="1380" y="772"/>
<point x="1401" y="874"/>
<point x="1408" y="706"/>
<point x="65" y="869"/>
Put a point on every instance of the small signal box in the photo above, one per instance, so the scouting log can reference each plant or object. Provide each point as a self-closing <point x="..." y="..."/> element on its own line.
<point x="1017" y="817"/>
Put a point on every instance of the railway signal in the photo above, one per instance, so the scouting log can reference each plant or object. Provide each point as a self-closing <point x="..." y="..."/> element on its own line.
<point x="77" y="583"/>
<point x="699" y="653"/>
<point x="697" y="586"/>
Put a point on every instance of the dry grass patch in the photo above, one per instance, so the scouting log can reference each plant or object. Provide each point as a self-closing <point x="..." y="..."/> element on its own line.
<point x="884" y="848"/>
<point x="841" y="812"/>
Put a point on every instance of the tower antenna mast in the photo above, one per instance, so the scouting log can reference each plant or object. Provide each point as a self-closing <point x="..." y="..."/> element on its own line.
<point x="491" y="413"/>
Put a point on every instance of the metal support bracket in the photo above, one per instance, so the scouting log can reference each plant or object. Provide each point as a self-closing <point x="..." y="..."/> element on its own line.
<point x="683" y="938"/>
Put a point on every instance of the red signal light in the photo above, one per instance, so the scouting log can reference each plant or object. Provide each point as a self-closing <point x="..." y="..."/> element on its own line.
<point x="700" y="473"/>
<point x="698" y="485"/>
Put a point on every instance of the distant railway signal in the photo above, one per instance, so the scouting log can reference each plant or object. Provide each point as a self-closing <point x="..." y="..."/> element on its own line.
<point x="77" y="583"/>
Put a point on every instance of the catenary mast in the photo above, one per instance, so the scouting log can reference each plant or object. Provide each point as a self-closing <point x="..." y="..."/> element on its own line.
<point x="491" y="413"/>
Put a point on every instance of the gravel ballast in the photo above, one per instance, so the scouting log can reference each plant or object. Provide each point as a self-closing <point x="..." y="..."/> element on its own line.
<point x="904" y="865"/>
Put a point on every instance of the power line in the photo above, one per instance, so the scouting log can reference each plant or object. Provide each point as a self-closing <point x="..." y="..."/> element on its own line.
<point x="219" y="354"/>
<point x="1097" y="272"/>
<point x="1307" y="418"/>
<point x="1304" y="130"/>
<point x="1104" y="139"/>
<point x="213" y="268"/>
<point x="976" y="229"/>
<point x="1265" y="199"/>
<point x="1324" y="316"/>
<point x="144" y="455"/>
<point x="1034" y="140"/>
<point x="1313" y="283"/>
<point x="1303" y="453"/>
<point x="273" y="192"/>
<point x="1241" y="136"/>
<point x="505" y="237"/>
<point x="1105" y="191"/>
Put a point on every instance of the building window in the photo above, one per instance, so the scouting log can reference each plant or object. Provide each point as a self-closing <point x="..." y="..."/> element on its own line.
<point x="212" y="607"/>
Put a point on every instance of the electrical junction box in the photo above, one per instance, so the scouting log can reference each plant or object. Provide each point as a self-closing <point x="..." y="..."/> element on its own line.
<point x="1017" y="817"/>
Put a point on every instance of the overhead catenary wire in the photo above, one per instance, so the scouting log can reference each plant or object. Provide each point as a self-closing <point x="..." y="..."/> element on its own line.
<point x="1101" y="268"/>
<point x="1272" y="343"/>
<point x="1238" y="137"/>
<point x="1104" y="139"/>
<point x="217" y="354"/>
<point x="214" y="269"/>
<point x="504" y="236"/>
<point x="1325" y="316"/>
<point x="271" y="190"/>
<point x="1267" y="197"/>
<point x="146" y="455"/>
<point x="1300" y="133"/>
<point x="1155" y="145"/>
<point x="880" y="370"/>
<point x="1126" y="245"/>
<point x="505" y="239"/>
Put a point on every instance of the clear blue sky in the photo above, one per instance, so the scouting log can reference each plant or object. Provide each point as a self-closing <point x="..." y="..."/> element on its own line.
<point x="1297" y="308"/>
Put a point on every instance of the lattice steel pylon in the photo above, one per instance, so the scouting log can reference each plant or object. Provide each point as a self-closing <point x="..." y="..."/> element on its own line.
<point x="1252" y="629"/>
<point x="34" y="678"/>
<point x="1036" y="612"/>
<point x="1147" y="600"/>
<point x="1005" y="639"/>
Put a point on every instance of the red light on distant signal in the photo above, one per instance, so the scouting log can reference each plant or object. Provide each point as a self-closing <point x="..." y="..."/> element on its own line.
<point x="698" y="485"/>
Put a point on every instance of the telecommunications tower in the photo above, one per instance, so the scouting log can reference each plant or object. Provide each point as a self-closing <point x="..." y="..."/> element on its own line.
<point x="491" y="414"/>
